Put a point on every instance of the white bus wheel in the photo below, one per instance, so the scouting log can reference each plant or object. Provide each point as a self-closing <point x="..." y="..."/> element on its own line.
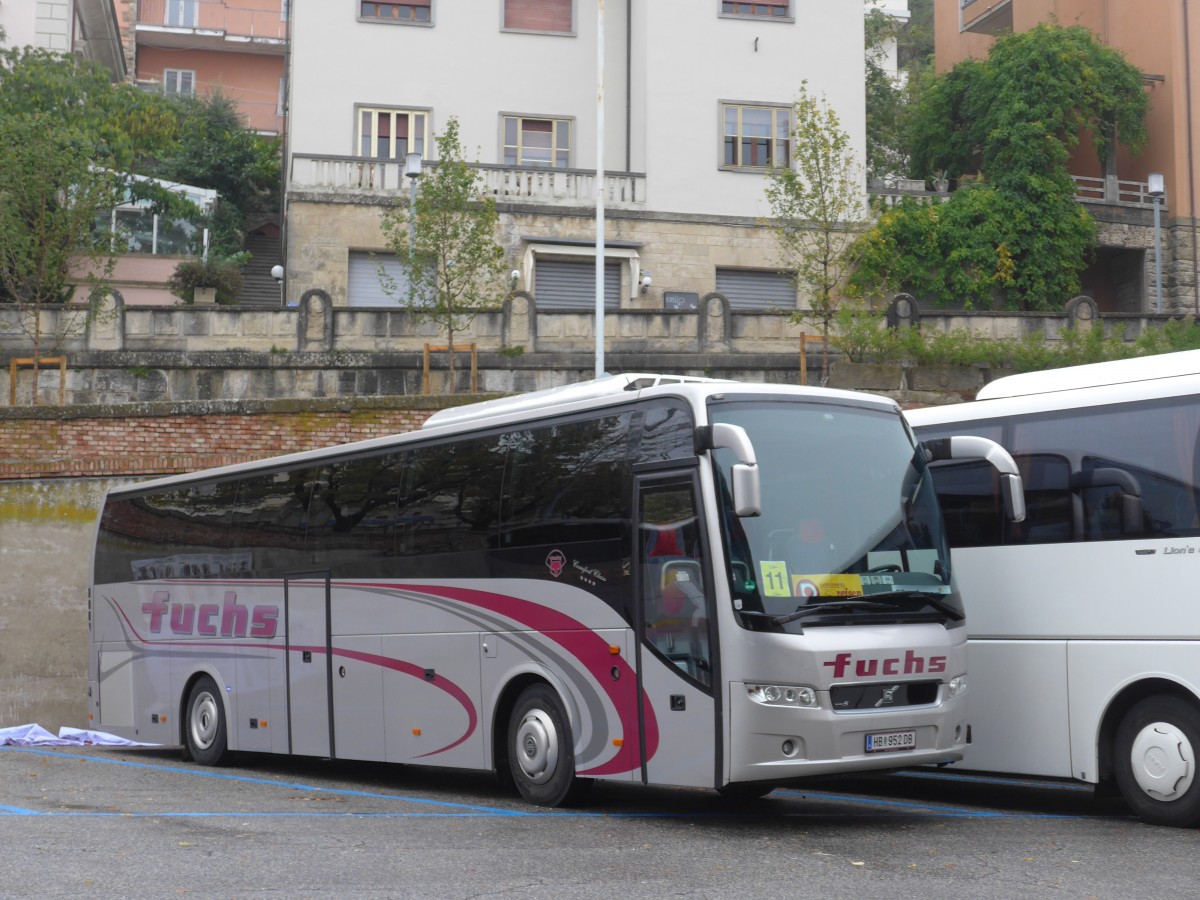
<point x="540" y="753"/>
<point x="1155" y="758"/>
<point x="205" y="731"/>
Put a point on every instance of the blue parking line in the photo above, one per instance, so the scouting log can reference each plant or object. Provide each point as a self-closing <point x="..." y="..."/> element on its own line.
<point x="880" y="806"/>
<point x="271" y="782"/>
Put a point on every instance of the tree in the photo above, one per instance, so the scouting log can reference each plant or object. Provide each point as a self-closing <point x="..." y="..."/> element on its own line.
<point x="1013" y="235"/>
<point x="452" y="262"/>
<point x="68" y="134"/>
<point x="816" y="201"/>
<point x="217" y="151"/>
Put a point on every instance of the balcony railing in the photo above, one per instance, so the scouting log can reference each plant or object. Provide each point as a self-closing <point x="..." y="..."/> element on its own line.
<point x="986" y="16"/>
<point x="249" y="20"/>
<point x="1112" y="191"/>
<point x="512" y="184"/>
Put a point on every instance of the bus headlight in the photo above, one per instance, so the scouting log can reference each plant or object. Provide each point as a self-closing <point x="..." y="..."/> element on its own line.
<point x="957" y="687"/>
<point x="782" y="695"/>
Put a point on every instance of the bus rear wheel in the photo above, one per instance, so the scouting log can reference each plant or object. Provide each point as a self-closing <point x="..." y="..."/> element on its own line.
<point x="205" y="731"/>
<point x="541" y="756"/>
<point x="1155" y="758"/>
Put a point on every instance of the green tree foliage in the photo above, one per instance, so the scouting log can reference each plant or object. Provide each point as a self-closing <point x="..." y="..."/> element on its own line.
<point x="814" y="203"/>
<point x="68" y="133"/>
<point x="1013" y="235"/>
<point x="452" y="260"/>
<point x="217" y="151"/>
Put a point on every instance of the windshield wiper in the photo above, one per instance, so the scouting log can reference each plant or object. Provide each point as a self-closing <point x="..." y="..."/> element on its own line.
<point x="846" y="603"/>
<point x="873" y="602"/>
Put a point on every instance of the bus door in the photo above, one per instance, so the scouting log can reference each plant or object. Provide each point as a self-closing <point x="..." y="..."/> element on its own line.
<point x="306" y="617"/>
<point x="674" y="619"/>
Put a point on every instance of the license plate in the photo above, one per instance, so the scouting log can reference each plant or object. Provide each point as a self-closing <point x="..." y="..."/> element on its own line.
<point x="891" y="740"/>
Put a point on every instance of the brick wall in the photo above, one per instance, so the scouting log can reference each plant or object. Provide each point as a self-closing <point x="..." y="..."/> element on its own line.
<point x="164" y="438"/>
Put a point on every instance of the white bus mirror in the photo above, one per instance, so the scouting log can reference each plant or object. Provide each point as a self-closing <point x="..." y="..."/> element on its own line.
<point x="746" y="487"/>
<point x="1132" y="510"/>
<point x="1012" y="488"/>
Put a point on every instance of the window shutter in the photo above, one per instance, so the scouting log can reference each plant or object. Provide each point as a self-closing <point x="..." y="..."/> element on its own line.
<point x="571" y="284"/>
<point x="538" y="15"/>
<point x="749" y="289"/>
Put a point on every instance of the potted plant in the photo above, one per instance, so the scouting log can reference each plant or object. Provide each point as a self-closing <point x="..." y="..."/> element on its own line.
<point x="207" y="280"/>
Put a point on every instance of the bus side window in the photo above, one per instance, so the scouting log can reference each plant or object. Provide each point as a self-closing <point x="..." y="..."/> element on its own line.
<point x="969" y="494"/>
<point x="1051" y="514"/>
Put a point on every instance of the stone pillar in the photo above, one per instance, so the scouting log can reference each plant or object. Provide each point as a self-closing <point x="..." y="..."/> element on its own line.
<point x="314" y="326"/>
<point x="520" y="321"/>
<point x="1081" y="314"/>
<point x="105" y="328"/>
<point x="713" y="326"/>
<point x="902" y="312"/>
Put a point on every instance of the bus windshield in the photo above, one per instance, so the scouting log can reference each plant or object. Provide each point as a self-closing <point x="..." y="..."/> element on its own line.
<point x="850" y="529"/>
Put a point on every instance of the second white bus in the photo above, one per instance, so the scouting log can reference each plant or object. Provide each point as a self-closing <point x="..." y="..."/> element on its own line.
<point x="1085" y="618"/>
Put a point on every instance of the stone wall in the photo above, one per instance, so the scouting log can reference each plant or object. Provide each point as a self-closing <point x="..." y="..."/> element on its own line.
<point x="55" y="465"/>
<point x="318" y="350"/>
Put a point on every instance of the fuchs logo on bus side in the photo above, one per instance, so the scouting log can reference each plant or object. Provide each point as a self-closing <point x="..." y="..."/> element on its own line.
<point x="228" y="619"/>
<point x="909" y="664"/>
<point x="556" y="562"/>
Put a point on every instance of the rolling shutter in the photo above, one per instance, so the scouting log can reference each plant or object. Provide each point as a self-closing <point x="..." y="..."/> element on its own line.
<point x="571" y="284"/>
<point x="538" y="15"/>
<point x="750" y="289"/>
<point x="364" y="287"/>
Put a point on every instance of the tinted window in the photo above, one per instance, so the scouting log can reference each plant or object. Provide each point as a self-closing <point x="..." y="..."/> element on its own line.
<point x="352" y="515"/>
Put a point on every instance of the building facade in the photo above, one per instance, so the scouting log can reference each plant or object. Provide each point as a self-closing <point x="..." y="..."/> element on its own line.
<point x="89" y="28"/>
<point x="236" y="47"/>
<point x="697" y="96"/>
<point x="1161" y="38"/>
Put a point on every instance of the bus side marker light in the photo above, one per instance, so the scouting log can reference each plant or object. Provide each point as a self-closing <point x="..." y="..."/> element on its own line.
<point x="417" y="732"/>
<point x="614" y="649"/>
<point x="618" y="742"/>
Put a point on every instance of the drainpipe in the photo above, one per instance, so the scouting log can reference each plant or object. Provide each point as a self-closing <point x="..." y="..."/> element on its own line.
<point x="1187" y="75"/>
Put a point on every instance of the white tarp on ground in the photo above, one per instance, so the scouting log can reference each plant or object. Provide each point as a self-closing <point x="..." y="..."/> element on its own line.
<point x="37" y="736"/>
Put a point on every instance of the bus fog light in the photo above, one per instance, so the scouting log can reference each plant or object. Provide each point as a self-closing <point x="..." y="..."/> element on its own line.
<point x="789" y="748"/>
<point x="783" y="695"/>
<point x="957" y="686"/>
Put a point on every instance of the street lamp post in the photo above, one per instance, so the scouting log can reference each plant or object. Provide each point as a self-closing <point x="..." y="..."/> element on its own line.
<point x="1157" y="190"/>
<point x="412" y="170"/>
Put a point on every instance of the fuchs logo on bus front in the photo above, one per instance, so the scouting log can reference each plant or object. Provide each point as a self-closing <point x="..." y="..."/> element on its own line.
<point x="911" y="663"/>
<point x="228" y="619"/>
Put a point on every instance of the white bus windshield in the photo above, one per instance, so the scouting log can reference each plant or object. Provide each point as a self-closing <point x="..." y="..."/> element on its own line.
<point x="850" y="528"/>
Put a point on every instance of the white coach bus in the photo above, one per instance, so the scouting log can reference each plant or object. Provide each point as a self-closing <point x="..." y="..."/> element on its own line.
<point x="670" y="581"/>
<point x="1085" y="618"/>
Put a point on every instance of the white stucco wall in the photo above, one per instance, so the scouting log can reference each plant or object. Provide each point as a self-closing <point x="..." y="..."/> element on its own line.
<point x="686" y="58"/>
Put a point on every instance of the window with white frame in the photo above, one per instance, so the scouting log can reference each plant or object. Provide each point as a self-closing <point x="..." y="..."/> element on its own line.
<point x="531" y="141"/>
<point x="756" y="136"/>
<point x="181" y="13"/>
<point x="759" y="9"/>
<point x="391" y="133"/>
<point x="181" y="82"/>
<point x="406" y="11"/>
<point x="548" y="16"/>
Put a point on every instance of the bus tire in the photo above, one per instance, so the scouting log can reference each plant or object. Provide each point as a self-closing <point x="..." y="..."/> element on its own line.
<point x="205" y="732"/>
<point x="1155" y="760"/>
<point x="541" y="754"/>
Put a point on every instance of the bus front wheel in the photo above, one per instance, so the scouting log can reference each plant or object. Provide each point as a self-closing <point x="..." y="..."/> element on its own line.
<point x="1156" y="746"/>
<point x="540" y="753"/>
<point x="205" y="731"/>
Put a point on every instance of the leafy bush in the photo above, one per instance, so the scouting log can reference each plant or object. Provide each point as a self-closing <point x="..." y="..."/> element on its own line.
<point x="863" y="336"/>
<point x="221" y="272"/>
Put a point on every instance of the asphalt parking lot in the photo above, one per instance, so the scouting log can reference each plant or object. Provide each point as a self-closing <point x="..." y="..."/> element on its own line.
<point x="102" y="822"/>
